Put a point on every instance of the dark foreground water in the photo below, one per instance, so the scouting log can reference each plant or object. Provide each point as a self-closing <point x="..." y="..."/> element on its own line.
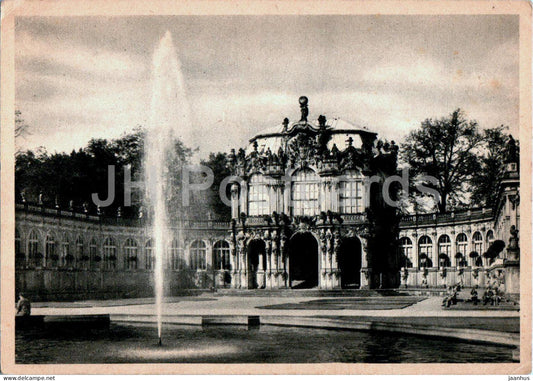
<point x="233" y="344"/>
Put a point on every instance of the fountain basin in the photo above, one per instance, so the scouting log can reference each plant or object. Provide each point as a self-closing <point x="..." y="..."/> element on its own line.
<point x="138" y="343"/>
<point x="75" y="322"/>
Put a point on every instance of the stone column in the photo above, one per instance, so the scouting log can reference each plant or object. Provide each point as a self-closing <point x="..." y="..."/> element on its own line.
<point x="233" y="262"/>
<point x="260" y="273"/>
<point x="323" y="260"/>
<point x="234" y="201"/>
<point x="325" y="203"/>
<point x="268" y="275"/>
<point x="243" y="200"/>
<point x="329" y="255"/>
<point x="453" y="248"/>
<point x="335" y="196"/>
<point x="335" y="270"/>
<point x="243" y="271"/>
<point x="282" y="263"/>
<point x="366" y="272"/>
<point x="416" y="260"/>
<point x="286" y="198"/>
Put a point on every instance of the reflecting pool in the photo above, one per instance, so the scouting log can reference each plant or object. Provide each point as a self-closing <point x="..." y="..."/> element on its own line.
<point x="235" y="344"/>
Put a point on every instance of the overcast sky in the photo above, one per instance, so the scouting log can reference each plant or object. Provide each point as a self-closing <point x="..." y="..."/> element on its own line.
<point x="84" y="77"/>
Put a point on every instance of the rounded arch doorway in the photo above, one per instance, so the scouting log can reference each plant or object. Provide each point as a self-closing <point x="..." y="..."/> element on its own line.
<point x="350" y="262"/>
<point x="256" y="263"/>
<point x="303" y="261"/>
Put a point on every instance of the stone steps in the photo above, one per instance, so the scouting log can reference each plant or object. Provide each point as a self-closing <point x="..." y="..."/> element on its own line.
<point x="307" y="293"/>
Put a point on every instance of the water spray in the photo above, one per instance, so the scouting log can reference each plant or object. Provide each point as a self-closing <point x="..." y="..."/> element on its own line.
<point x="167" y="121"/>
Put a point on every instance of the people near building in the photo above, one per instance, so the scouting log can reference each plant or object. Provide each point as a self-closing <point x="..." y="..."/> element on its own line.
<point x="474" y="296"/>
<point x="23" y="306"/>
<point x="451" y="297"/>
<point x="496" y="297"/>
<point x="488" y="296"/>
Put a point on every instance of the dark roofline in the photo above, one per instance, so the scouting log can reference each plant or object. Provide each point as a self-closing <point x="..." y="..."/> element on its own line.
<point x="333" y="131"/>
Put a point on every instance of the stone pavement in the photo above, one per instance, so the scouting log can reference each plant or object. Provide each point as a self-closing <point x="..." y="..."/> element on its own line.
<point x="212" y="304"/>
<point x="426" y="317"/>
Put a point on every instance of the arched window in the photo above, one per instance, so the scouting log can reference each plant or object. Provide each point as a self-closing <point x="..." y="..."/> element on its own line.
<point x="461" y="250"/>
<point x="304" y="193"/>
<point x="445" y="250"/>
<point x="490" y="238"/>
<point x="94" y="258"/>
<point x="477" y="241"/>
<point x="35" y="256"/>
<point x="351" y="192"/>
<point x="221" y="251"/>
<point x="148" y="255"/>
<point x="198" y="252"/>
<point x="52" y="258"/>
<point x="176" y="255"/>
<point x="406" y="251"/>
<point x="20" y="258"/>
<point x="130" y="254"/>
<point x="80" y="253"/>
<point x="67" y="259"/>
<point x="425" y="251"/>
<point x="258" y="196"/>
<point x="110" y="254"/>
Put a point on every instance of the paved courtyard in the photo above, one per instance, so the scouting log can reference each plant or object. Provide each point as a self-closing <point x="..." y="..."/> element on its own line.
<point x="422" y="315"/>
<point x="213" y="304"/>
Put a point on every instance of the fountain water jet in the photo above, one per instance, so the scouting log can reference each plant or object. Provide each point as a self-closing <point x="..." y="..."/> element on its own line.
<point x="169" y="120"/>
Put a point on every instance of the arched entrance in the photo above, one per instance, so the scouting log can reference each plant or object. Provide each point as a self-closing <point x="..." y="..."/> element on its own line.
<point x="256" y="262"/>
<point x="303" y="261"/>
<point x="350" y="263"/>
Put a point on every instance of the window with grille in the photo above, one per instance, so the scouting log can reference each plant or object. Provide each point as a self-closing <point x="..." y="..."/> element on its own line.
<point x="222" y="260"/>
<point x="33" y="249"/>
<point x="406" y="250"/>
<point x="425" y="251"/>
<point x="110" y="254"/>
<point x="66" y="258"/>
<point x="176" y="256"/>
<point x="20" y="258"/>
<point x="490" y="238"/>
<point x="258" y="196"/>
<point x="130" y="254"/>
<point x="52" y="259"/>
<point x="198" y="252"/>
<point x="461" y="250"/>
<point x="94" y="259"/>
<point x="445" y="250"/>
<point x="304" y="193"/>
<point x="80" y="253"/>
<point x="351" y="193"/>
<point x="478" y="243"/>
<point x="148" y="255"/>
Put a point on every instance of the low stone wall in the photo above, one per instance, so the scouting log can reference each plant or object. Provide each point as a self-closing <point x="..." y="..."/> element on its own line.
<point x="443" y="277"/>
<point x="68" y="284"/>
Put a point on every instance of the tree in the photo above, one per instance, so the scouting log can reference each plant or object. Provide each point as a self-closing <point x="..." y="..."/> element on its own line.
<point x="218" y="162"/>
<point x="492" y="160"/>
<point x="446" y="150"/>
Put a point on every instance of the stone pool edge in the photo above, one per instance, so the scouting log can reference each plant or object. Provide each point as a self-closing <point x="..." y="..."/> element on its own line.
<point x="511" y="339"/>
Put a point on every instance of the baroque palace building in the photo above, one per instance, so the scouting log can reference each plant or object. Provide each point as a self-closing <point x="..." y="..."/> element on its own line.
<point x="308" y="211"/>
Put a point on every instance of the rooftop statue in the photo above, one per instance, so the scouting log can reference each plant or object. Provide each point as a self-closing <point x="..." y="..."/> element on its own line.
<point x="303" y="107"/>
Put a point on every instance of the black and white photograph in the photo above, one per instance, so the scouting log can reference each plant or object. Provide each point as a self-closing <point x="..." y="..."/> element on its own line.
<point x="297" y="188"/>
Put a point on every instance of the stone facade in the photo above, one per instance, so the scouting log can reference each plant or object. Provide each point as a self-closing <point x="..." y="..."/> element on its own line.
<point x="308" y="211"/>
<point x="65" y="255"/>
<point x="305" y="188"/>
<point x="473" y="247"/>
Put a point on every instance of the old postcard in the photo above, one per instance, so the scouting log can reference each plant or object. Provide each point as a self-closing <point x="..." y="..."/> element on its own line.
<point x="266" y="187"/>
